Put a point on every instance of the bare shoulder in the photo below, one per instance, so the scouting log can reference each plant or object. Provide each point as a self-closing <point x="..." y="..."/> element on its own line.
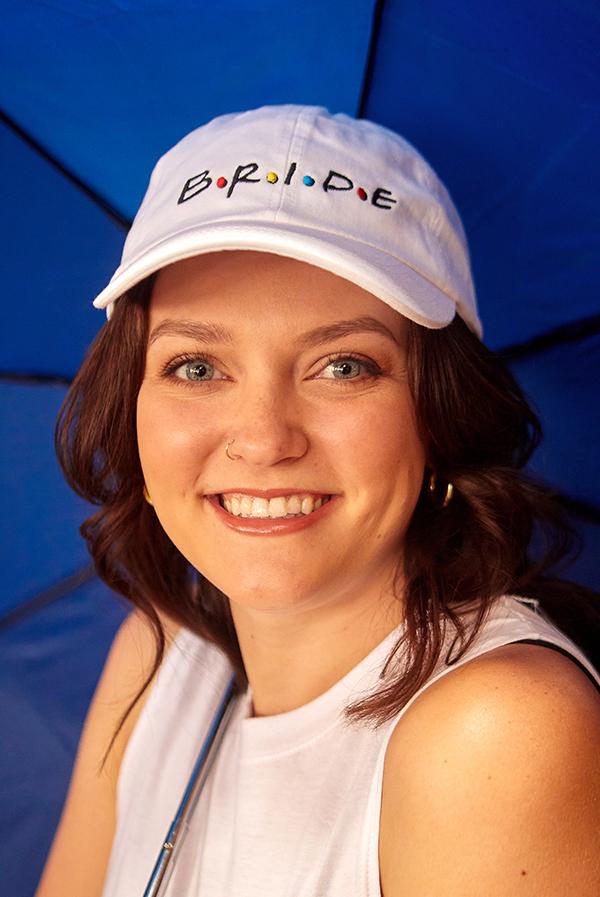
<point x="129" y="663"/>
<point x="492" y="782"/>
<point x="80" y="851"/>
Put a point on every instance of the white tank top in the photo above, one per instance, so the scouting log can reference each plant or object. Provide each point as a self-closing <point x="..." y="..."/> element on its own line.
<point x="291" y="807"/>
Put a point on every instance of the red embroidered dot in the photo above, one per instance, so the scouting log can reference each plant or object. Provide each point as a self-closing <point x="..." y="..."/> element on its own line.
<point x="222" y="182"/>
<point x="362" y="194"/>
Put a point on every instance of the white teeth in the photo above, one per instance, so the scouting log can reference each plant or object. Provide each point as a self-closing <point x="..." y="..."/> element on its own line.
<point x="245" y="505"/>
<point x="278" y="507"/>
<point x="307" y="505"/>
<point x="260" y="507"/>
<point x="294" y="504"/>
<point x="281" y="506"/>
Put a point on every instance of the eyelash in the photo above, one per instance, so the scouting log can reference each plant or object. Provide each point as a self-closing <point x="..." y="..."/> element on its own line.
<point x="168" y="370"/>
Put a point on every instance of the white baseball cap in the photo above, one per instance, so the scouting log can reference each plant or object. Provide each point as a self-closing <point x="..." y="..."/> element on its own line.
<point x="344" y="194"/>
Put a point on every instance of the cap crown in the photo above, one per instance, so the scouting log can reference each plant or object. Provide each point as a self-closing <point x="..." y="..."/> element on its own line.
<point x="306" y="171"/>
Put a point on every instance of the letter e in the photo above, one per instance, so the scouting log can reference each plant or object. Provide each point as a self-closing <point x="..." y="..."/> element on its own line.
<point x="378" y="199"/>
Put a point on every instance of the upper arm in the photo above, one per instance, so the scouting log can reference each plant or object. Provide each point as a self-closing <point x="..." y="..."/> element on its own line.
<point x="81" y="848"/>
<point x="492" y="786"/>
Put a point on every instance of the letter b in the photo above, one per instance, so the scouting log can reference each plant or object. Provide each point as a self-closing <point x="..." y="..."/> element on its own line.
<point x="195" y="185"/>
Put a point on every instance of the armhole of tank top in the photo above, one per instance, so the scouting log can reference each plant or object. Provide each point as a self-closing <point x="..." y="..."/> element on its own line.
<point x="543" y="643"/>
<point x="183" y="639"/>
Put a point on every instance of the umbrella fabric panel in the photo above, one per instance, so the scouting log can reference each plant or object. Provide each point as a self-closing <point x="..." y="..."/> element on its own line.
<point x="40" y="540"/>
<point x="142" y="74"/>
<point x="562" y="384"/>
<point x="586" y="569"/>
<point x="504" y="103"/>
<point x="49" y="666"/>
<point x="58" y="247"/>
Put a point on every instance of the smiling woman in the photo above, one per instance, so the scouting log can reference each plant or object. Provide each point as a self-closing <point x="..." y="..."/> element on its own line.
<point x="317" y="405"/>
<point x="309" y="473"/>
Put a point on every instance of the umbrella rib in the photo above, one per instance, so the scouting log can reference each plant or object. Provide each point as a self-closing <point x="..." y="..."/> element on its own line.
<point x="92" y="194"/>
<point x="48" y="596"/>
<point x="583" y="510"/>
<point x="22" y="377"/>
<point x="571" y="332"/>
<point x="371" y="54"/>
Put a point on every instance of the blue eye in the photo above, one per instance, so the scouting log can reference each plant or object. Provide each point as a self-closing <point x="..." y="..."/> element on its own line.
<point x="347" y="367"/>
<point x="344" y="367"/>
<point x="191" y="369"/>
<point x="196" y="370"/>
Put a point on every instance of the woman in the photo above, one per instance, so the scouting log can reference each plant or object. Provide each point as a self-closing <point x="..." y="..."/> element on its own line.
<point x="309" y="474"/>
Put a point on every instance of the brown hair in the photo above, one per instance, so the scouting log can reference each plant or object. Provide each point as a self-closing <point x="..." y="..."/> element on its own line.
<point x="478" y="431"/>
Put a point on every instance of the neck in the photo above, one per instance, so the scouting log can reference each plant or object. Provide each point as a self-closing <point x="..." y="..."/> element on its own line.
<point x="291" y="658"/>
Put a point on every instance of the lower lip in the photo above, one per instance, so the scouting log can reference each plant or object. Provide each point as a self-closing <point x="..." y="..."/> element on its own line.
<point x="267" y="526"/>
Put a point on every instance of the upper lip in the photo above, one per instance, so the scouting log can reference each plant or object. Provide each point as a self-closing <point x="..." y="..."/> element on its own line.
<point x="270" y="493"/>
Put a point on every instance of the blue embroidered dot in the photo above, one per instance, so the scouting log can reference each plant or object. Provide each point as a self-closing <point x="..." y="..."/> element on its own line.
<point x="308" y="180"/>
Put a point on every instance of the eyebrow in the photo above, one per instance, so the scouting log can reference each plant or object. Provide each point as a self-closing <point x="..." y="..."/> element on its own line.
<point x="208" y="332"/>
<point x="202" y="333"/>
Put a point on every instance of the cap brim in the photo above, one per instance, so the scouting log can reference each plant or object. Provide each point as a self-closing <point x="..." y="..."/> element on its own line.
<point x="390" y="279"/>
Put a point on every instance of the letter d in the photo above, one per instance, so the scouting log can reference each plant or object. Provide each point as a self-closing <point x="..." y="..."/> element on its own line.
<point x="327" y="185"/>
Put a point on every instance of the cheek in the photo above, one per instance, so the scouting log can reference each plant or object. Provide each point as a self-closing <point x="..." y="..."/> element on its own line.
<point x="171" y="437"/>
<point x="379" y="445"/>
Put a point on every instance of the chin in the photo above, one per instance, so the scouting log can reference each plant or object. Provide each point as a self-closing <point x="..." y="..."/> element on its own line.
<point x="274" y="593"/>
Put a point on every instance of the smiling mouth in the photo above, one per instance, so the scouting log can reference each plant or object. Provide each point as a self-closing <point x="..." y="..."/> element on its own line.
<point x="278" y="508"/>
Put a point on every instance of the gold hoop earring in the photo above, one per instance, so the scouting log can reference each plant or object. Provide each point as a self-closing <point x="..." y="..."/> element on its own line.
<point x="449" y="490"/>
<point x="449" y="494"/>
<point x="146" y="496"/>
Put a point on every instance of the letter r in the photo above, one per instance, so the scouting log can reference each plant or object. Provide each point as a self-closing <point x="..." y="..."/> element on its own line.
<point x="242" y="174"/>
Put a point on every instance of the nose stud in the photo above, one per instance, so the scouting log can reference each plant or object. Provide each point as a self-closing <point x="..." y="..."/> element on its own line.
<point x="231" y="457"/>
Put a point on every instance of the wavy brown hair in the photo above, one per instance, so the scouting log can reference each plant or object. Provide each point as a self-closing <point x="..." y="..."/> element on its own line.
<point x="478" y="431"/>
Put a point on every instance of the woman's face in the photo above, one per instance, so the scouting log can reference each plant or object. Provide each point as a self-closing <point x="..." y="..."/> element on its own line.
<point x="302" y="421"/>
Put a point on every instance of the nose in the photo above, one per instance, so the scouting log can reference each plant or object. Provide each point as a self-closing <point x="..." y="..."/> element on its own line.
<point x="267" y="428"/>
